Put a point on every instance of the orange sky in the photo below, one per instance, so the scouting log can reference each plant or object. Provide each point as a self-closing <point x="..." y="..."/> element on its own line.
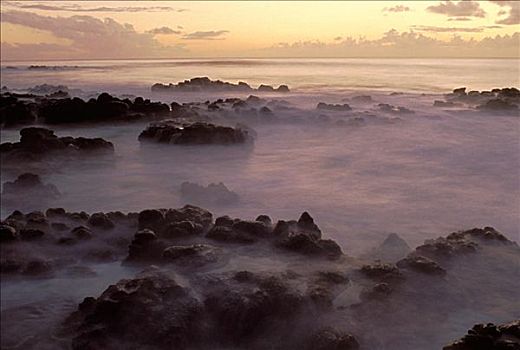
<point x="167" y="29"/>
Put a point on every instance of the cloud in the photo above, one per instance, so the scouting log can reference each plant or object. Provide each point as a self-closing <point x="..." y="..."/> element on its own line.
<point x="78" y="8"/>
<point x="397" y="8"/>
<point x="435" y="29"/>
<point x="164" y="31"/>
<point x="463" y="8"/>
<point x="206" y="35"/>
<point x="88" y="37"/>
<point x="459" y="19"/>
<point x="513" y="13"/>
<point x="405" y="44"/>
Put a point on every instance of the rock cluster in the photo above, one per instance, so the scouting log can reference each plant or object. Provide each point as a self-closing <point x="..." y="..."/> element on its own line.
<point x="194" y="134"/>
<point x="59" y="108"/>
<point x="204" y="84"/>
<point x="37" y="142"/>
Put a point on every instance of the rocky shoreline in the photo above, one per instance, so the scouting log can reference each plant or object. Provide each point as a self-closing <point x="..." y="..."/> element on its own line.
<point x="225" y="304"/>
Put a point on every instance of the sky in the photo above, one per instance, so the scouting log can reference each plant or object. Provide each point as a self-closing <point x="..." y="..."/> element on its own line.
<point x="56" y="30"/>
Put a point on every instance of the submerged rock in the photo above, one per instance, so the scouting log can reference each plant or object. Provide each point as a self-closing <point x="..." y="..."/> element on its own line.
<point x="214" y="194"/>
<point x="28" y="184"/>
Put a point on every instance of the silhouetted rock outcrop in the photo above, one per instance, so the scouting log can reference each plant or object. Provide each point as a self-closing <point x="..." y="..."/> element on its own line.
<point x="204" y="84"/>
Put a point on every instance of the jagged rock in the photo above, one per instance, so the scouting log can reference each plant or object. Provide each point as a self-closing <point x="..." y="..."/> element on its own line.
<point x="421" y="264"/>
<point x="194" y="134"/>
<point x="489" y="337"/>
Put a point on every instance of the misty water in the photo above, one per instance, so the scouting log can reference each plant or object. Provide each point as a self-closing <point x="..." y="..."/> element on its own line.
<point x="420" y="175"/>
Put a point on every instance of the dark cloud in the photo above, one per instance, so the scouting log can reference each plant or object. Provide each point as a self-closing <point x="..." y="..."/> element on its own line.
<point x="87" y="37"/>
<point x="78" y="8"/>
<point x="405" y="44"/>
<point x="164" y="31"/>
<point x="464" y="8"/>
<point x="397" y="8"/>
<point x="206" y="35"/>
<point x="513" y="12"/>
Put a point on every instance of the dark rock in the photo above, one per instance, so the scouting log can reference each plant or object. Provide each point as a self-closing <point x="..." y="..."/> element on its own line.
<point x="59" y="226"/>
<point x="331" y="339"/>
<point x="53" y="212"/>
<point x="145" y="247"/>
<point x="333" y="107"/>
<point x="182" y="229"/>
<point x="489" y="337"/>
<point x="31" y="234"/>
<point x="100" y="220"/>
<point x="377" y="292"/>
<point x="421" y="264"/>
<point x="225" y="221"/>
<point x="168" y="316"/>
<point x="387" y="108"/>
<point x="194" y="134"/>
<point x="38" y="268"/>
<point x="263" y="218"/>
<point x="213" y="194"/>
<point x="498" y="105"/>
<point x="7" y="233"/>
<point x="204" y="84"/>
<point x="37" y="142"/>
<point x="81" y="233"/>
<point x="193" y="255"/>
<point x="227" y="234"/>
<point x="382" y="272"/>
<point x="305" y="244"/>
<point x="190" y="213"/>
<point x="152" y="219"/>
